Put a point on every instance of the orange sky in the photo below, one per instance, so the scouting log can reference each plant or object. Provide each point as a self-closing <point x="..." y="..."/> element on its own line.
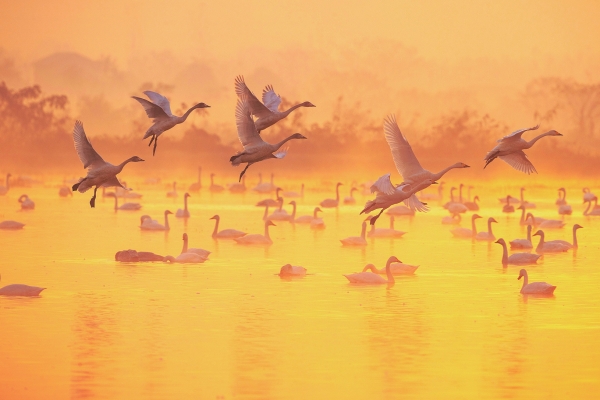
<point x="449" y="30"/>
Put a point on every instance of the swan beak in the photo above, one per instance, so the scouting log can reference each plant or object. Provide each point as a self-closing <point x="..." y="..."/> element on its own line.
<point x="520" y="276"/>
<point x="434" y="183"/>
<point x="497" y="241"/>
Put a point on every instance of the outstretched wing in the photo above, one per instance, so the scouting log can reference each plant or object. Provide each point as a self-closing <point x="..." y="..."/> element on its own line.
<point x="160" y="101"/>
<point x="271" y="99"/>
<point x="246" y="129"/>
<point x="257" y="108"/>
<point x="415" y="204"/>
<point x="85" y="151"/>
<point x="519" y="161"/>
<point x="281" y="152"/>
<point x="113" y="181"/>
<point x="517" y="134"/>
<point x="383" y="185"/>
<point x="152" y="110"/>
<point x="404" y="158"/>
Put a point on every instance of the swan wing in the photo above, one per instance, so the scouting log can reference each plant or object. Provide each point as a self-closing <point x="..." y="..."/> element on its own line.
<point x="246" y="129"/>
<point x="88" y="156"/>
<point x="519" y="161"/>
<point x="160" y="101"/>
<point x="281" y="152"/>
<point x="415" y="204"/>
<point x="113" y="181"/>
<point x="383" y="185"/>
<point x="404" y="158"/>
<point x="257" y="108"/>
<point x="517" y="134"/>
<point x="152" y="110"/>
<point x="271" y="99"/>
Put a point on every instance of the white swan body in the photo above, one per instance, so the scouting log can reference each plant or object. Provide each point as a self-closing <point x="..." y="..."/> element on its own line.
<point x="466" y="233"/>
<point x="534" y="287"/>
<point x="472" y="205"/>
<point x="100" y="173"/>
<point x="396" y="269"/>
<point x="522" y="243"/>
<point x="453" y="219"/>
<point x="331" y="203"/>
<point x="26" y="202"/>
<point x="295" y="194"/>
<point x="13" y="225"/>
<point x="516" y="258"/>
<point x="265" y="187"/>
<point x="238" y="187"/>
<point x="185" y="212"/>
<point x="551" y="224"/>
<point x="149" y="224"/>
<point x="385" y="232"/>
<point x="350" y="199"/>
<point x="173" y="193"/>
<point x="124" y="206"/>
<point x="562" y="197"/>
<point x="524" y="202"/>
<point x="573" y="245"/>
<point x="213" y="186"/>
<point x="510" y="150"/>
<point x="225" y="233"/>
<point x="18" y="289"/>
<point x="357" y="240"/>
<point x="594" y="210"/>
<point x="257" y="238"/>
<point x="374" y="278"/>
<point x="201" y="252"/>
<point x="289" y="270"/>
<point x="550" y="246"/>
<point x="186" y="258"/>
<point x="307" y="219"/>
<point x="489" y="235"/>
<point x="388" y="195"/>
<point x="159" y="109"/>
<point x="280" y="214"/>
<point x="508" y="208"/>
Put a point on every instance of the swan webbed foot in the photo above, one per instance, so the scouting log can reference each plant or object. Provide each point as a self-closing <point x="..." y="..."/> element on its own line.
<point x="374" y="219"/>
<point x="93" y="199"/>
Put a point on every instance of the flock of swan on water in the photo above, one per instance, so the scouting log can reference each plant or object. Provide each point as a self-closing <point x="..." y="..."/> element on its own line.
<point x="253" y="116"/>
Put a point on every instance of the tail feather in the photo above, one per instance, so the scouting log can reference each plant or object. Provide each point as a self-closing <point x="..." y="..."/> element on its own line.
<point x="369" y="206"/>
<point x="415" y="204"/>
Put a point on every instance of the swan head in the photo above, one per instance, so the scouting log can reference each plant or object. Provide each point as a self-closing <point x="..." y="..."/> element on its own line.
<point x="393" y="259"/>
<point x="476" y="198"/>
<point x="215" y="217"/>
<point x="318" y="209"/>
<point x="369" y="267"/>
<point x="522" y="273"/>
<point x="307" y="104"/>
<point x="490" y="220"/>
<point x="201" y="105"/>
<point x="461" y="165"/>
<point x="298" y="136"/>
<point x="185" y="237"/>
<point x="475" y="216"/>
<point x="22" y="198"/>
<point x="293" y="202"/>
<point x="167" y="212"/>
<point x="539" y="233"/>
<point x="269" y="223"/>
<point x="577" y="226"/>
<point x="452" y="189"/>
<point x="135" y="159"/>
<point x="339" y="184"/>
<point x="187" y="195"/>
<point x="553" y="133"/>
<point x="500" y="241"/>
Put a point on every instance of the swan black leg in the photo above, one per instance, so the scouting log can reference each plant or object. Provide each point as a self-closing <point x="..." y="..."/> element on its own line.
<point x="93" y="200"/>
<point x="155" y="143"/>
<point x="377" y="216"/>
<point x="243" y="172"/>
<point x="76" y="186"/>
<point x="151" y="140"/>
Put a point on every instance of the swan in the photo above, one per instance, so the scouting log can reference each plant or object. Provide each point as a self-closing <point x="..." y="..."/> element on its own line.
<point x="159" y="109"/>
<point x="184" y="213"/>
<point x="185" y="258"/>
<point x="173" y="193"/>
<point x="453" y="219"/>
<point x="551" y="224"/>
<point x="289" y="270"/>
<point x="317" y="223"/>
<point x="149" y="224"/>
<point x="565" y="209"/>
<point x="9" y="224"/>
<point x="516" y="258"/>
<point x="374" y="278"/>
<point x="397" y="268"/>
<point x="535" y="220"/>
<point x="238" y="187"/>
<point x="397" y="194"/>
<point x="472" y="205"/>
<point x="406" y="162"/>
<point x="124" y="206"/>
<point x="595" y="211"/>
<point x="196" y="186"/>
<point x="331" y="203"/>
<point x="534" y="287"/>
<point x="433" y="196"/>
<point x="385" y="232"/>
<point x="136" y="256"/>
<point x="295" y="194"/>
<point x="4" y="189"/>
<point x="465" y="232"/>
<point x="267" y="112"/>
<point x="350" y="199"/>
<point x="307" y="219"/>
<point x="587" y="193"/>
<point x="457" y="208"/>
<point x="213" y="187"/>
<point x="357" y="240"/>
<point x="524" y="202"/>
<point x="508" y="208"/>
<point x="552" y="246"/>
<point x="265" y="187"/>
<point x="65" y="191"/>
<point x="100" y="173"/>
<point x="257" y="238"/>
<point x="452" y="200"/>
<point x="522" y="243"/>
<point x="489" y="235"/>
<point x="17" y="289"/>
<point x="26" y="202"/>
<point x="562" y="197"/>
<point x="146" y="219"/>
<point x="574" y="245"/>
<point x="270" y="202"/>
<point x="280" y="214"/>
<point x="201" y="252"/>
<point x="255" y="148"/>
<point x="510" y="150"/>
<point x="225" y="233"/>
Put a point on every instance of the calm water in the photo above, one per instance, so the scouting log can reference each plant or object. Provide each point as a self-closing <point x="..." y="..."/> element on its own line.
<point x="231" y="328"/>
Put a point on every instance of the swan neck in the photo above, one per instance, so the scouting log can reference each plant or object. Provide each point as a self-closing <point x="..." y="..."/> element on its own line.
<point x="388" y="272"/>
<point x="529" y="233"/>
<point x="473" y="227"/>
<point x="216" y="230"/>
<point x="185" y="245"/>
<point x="460" y="198"/>
<point x="541" y="243"/>
<point x="574" y="237"/>
<point x="116" y="201"/>
<point x="185" y="199"/>
<point x="278" y="145"/>
<point x="586" y="212"/>
<point x="167" y="221"/>
<point x="490" y="228"/>
<point x="337" y="193"/>
<point x="535" y="139"/>
<point x="522" y="221"/>
<point x="187" y="113"/>
<point x="288" y="111"/>
<point x="364" y="230"/>
<point x="293" y="212"/>
<point x="266" y="212"/>
<point x="267" y="231"/>
<point x="525" y="280"/>
<point x="504" y="255"/>
<point x="123" y="164"/>
<point x="437" y="176"/>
